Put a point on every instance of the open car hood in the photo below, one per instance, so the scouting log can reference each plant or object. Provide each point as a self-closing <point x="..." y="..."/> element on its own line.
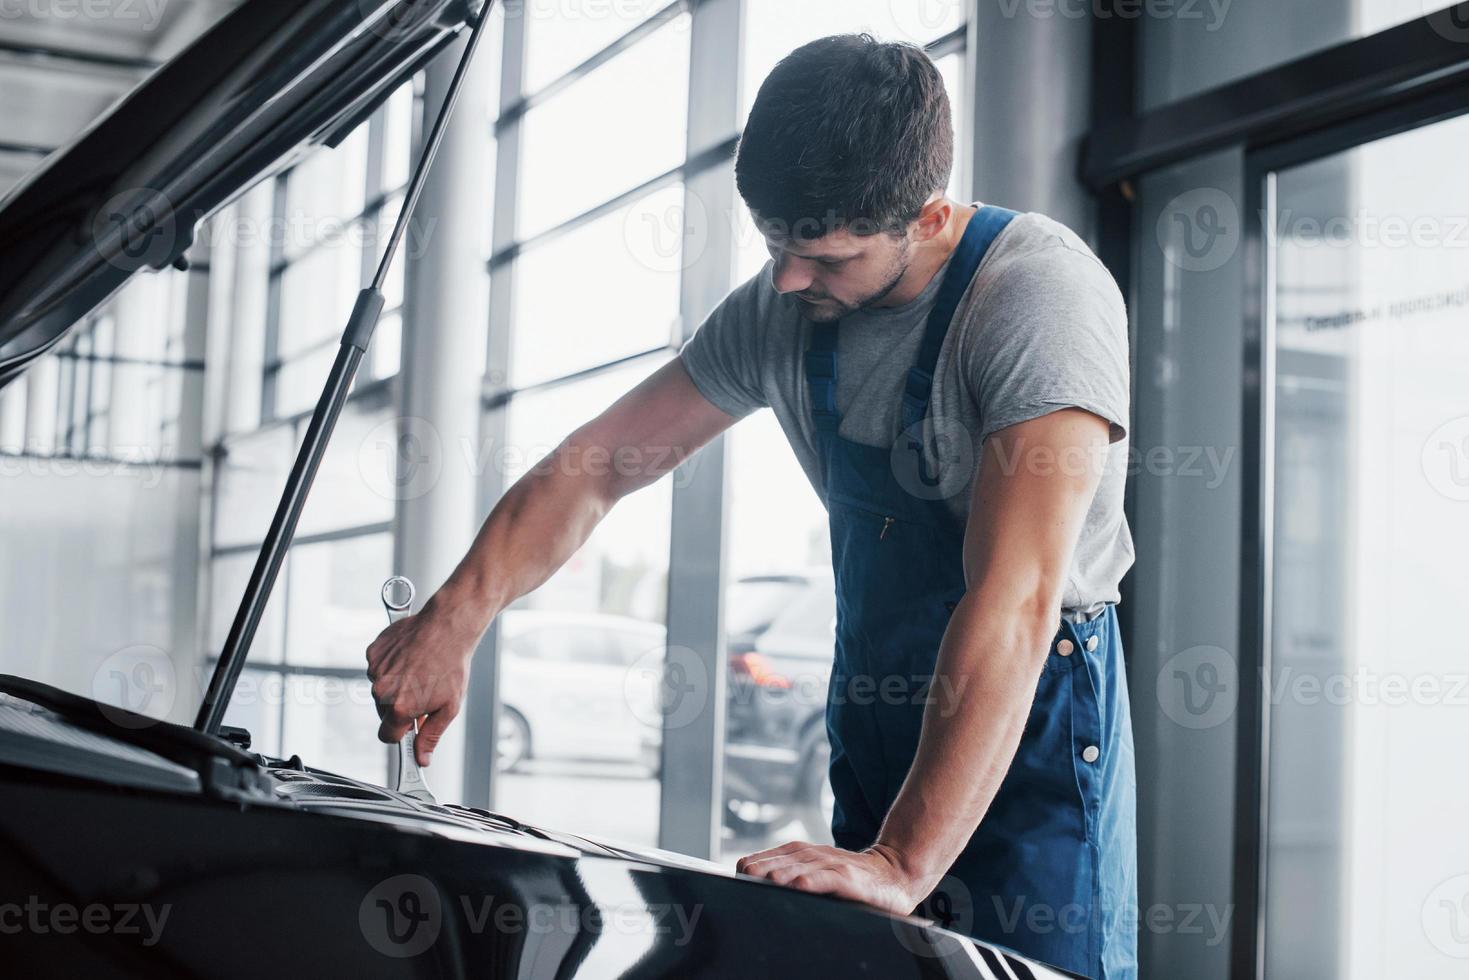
<point x="270" y="80"/>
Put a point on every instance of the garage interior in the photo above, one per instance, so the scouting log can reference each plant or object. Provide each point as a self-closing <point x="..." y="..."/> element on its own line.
<point x="1278" y="189"/>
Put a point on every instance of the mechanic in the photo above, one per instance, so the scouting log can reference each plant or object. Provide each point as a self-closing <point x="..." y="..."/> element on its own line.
<point x="954" y="381"/>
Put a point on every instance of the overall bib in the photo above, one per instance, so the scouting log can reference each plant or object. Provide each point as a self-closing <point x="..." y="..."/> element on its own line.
<point x="1051" y="871"/>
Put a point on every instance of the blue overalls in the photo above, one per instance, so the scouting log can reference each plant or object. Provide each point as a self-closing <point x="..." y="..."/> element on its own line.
<point x="1051" y="871"/>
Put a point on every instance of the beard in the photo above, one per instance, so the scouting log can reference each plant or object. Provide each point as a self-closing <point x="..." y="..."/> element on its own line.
<point x="829" y="309"/>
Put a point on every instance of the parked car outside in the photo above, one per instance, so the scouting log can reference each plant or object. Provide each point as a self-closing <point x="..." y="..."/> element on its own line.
<point x="776" y="750"/>
<point x="781" y="637"/>
<point x="569" y="690"/>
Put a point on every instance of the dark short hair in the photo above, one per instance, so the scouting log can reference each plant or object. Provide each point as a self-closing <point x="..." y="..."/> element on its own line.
<point x="847" y="132"/>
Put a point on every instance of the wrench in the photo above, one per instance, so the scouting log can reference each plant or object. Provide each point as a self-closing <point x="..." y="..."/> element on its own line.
<point x="397" y="596"/>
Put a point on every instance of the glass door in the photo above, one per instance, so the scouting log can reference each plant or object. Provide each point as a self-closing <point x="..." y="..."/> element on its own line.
<point x="1366" y="692"/>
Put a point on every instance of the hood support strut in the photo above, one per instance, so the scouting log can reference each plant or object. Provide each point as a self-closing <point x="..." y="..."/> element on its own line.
<point x="355" y="340"/>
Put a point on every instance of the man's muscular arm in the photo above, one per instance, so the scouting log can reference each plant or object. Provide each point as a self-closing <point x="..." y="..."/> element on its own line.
<point x="419" y="666"/>
<point x="1036" y="483"/>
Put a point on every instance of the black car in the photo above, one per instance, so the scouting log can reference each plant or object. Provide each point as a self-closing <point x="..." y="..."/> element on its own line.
<point x="776" y="751"/>
<point x="135" y="847"/>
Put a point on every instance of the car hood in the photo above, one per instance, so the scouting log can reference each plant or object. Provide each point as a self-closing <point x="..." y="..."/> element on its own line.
<point x="247" y="98"/>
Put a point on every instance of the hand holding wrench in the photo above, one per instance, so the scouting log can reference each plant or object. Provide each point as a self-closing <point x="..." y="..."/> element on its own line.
<point x="397" y="596"/>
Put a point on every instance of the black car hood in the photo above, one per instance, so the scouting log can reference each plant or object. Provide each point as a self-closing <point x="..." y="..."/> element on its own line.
<point x="269" y="80"/>
<point x="267" y="859"/>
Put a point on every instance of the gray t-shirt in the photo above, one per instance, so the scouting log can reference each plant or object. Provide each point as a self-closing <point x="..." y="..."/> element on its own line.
<point x="1042" y="327"/>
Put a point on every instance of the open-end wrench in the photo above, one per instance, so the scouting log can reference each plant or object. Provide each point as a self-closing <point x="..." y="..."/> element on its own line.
<point x="397" y="596"/>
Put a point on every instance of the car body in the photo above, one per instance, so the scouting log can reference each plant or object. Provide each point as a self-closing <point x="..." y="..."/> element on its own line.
<point x="137" y="848"/>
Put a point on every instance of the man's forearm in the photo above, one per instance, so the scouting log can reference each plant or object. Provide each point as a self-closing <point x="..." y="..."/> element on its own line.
<point x="980" y="696"/>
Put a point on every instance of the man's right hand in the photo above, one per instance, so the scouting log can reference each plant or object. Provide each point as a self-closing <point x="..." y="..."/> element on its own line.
<point x="419" y="668"/>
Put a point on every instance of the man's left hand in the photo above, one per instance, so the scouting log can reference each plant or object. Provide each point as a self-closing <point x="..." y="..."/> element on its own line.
<point x="874" y="876"/>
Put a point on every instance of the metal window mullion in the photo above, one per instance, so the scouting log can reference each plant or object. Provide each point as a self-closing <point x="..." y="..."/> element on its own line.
<point x="482" y="700"/>
<point x="273" y="303"/>
<point x="113" y="359"/>
<point x="691" y="797"/>
<point x="499" y="396"/>
<point x="362" y="391"/>
<point x="120" y="462"/>
<point x="1256" y="569"/>
<point x="65" y="420"/>
<point x="715" y="156"/>
<point x="307" y="540"/>
<point x="85" y="426"/>
<point x="371" y="211"/>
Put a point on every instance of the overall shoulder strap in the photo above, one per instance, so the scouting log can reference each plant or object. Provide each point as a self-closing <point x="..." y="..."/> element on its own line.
<point x="980" y="234"/>
<point x="821" y="376"/>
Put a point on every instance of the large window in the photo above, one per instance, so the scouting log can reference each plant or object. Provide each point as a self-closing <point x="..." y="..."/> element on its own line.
<point x="636" y="102"/>
<point x="620" y="306"/>
<point x="117" y="385"/>
<point x="305" y="691"/>
<point x="590" y="263"/>
<point x="581" y="656"/>
<point x="774" y="28"/>
<point x="780" y="609"/>
<point x="601" y="127"/>
<point x="596" y="266"/>
<point x="331" y="217"/>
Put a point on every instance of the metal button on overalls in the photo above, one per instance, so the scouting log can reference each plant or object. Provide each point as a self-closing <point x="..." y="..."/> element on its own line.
<point x="1051" y="870"/>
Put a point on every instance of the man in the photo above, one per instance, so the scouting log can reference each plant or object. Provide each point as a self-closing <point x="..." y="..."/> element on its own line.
<point x="954" y="381"/>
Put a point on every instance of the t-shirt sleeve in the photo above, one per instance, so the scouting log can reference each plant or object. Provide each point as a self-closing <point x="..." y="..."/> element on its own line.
<point x="1050" y="334"/>
<point x="725" y="355"/>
